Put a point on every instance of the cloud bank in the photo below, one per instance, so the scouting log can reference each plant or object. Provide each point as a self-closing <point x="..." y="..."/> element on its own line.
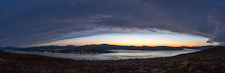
<point x="31" y="22"/>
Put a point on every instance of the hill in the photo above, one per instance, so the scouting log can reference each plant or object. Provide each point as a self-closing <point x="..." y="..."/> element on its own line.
<point x="116" y="47"/>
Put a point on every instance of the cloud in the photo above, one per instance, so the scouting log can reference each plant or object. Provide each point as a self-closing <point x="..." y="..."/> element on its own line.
<point x="39" y="21"/>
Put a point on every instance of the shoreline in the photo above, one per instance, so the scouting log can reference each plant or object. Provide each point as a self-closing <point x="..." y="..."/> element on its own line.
<point x="114" y="55"/>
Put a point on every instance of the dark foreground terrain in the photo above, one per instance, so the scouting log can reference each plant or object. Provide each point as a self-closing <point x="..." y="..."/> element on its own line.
<point x="207" y="61"/>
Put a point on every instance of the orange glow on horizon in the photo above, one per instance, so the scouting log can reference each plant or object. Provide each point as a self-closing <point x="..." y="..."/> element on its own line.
<point x="137" y="45"/>
<point x="135" y="40"/>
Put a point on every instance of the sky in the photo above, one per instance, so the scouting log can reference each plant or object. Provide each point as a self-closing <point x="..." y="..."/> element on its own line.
<point x="120" y="22"/>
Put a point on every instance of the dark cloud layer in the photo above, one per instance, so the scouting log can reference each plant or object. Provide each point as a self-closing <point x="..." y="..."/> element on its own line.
<point x="29" y="22"/>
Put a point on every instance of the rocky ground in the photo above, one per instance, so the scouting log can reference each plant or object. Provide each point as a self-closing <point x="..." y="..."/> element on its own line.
<point x="207" y="61"/>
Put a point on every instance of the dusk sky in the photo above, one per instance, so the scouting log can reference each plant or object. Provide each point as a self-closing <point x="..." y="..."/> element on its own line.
<point x="121" y="22"/>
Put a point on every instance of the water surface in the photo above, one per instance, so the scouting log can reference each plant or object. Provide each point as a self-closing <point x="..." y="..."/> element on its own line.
<point x="116" y="55"/>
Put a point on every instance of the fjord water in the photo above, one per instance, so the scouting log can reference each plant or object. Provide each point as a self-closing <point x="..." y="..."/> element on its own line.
<point x="116" y="55"/>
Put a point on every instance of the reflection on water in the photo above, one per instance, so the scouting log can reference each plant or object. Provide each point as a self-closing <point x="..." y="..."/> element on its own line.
<point x="74" y="52"/>
<point x="116" y="55"/>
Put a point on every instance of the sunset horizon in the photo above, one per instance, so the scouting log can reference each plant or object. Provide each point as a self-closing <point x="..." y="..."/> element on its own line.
<point x="126" y="45"/>
<point x="136" y="38"/>
<point x="112" y="36"/>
